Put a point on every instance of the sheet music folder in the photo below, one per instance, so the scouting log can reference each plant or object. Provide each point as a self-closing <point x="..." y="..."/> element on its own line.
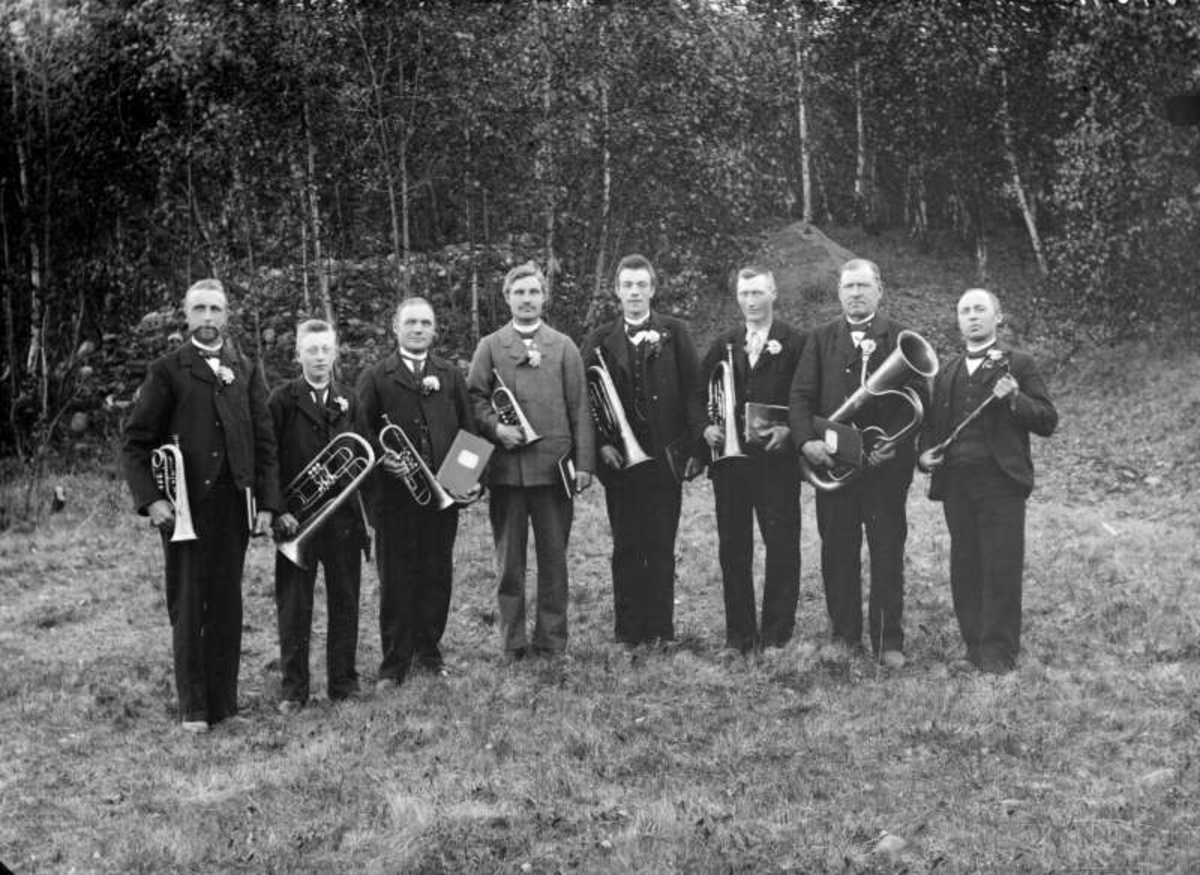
<point x="464" y="464"/>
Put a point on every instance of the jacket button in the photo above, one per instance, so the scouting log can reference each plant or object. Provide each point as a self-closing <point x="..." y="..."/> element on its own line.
<point x="215" y="454"/>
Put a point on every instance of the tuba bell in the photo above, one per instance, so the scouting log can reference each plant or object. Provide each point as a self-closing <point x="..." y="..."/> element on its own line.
<point x="912" y="358"/>
<point x="322" y="487"/>
<point x="504" y="402"/>
<point x="166" y="464"/>
<point x="609" y="414"/>
<point x="421" y="483"/>
<point x="722" y="408"/>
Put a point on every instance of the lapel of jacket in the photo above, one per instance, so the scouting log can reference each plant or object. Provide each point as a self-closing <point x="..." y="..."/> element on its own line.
<point x="616" y="350"/>
<point x="190" y="358"/>
<point x="401" y="374"/>
<point x="302" y="396"/>
<point x="513" y="344"/>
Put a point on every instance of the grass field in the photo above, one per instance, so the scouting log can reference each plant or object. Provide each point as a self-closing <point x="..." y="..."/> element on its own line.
<point x="673" y="760"/>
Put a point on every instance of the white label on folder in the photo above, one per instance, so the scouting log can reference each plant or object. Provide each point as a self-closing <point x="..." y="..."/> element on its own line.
<point x="468" y="459"/>
<point x="831" y="439"/>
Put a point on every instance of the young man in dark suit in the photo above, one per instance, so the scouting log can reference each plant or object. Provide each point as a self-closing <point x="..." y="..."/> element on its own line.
<point x="654" y="369"/>
<point x="542" y="369"/>
<point x="765" y="482"/>
<point x="307" y="413"/>
<point x="213" y="400"/>
<point x="983" y="475"/>
<point x="424" y="395"/>
<point x="831" y="369"/>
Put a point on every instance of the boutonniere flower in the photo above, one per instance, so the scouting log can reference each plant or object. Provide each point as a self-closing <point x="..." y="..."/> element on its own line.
<point x="867" y="347"/>
<point x="225" y="374"/>
<point x="774" y="347"/>
<point x="533" y="357"/>
<point x="342" y="404"/>
<point x="430" y="384"/>
<point x="995" y="358"/>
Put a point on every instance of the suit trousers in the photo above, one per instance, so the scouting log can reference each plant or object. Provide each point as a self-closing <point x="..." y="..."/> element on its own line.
<point x="512" y="509"/>
<point x="204" y="603"/>
<point x="985" y="514"/>
<point x="414" y="554"/>
<point x="876" y="502"/>
<point x="336" y="548"/>
<point x="766" y="487"/>
<point x="643" y="510"/>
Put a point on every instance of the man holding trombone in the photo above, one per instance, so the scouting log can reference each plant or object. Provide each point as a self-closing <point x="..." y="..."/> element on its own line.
<point x="754" y="469"/>
<point x="308" y="413"/>
<point x="200" y="417"/>
<point x="527" y="387"/>
<point x="411" y="407"/>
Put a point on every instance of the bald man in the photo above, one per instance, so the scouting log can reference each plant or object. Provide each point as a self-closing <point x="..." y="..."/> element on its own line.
<point x="983" y="473"/>
<point x="213" y="400"/>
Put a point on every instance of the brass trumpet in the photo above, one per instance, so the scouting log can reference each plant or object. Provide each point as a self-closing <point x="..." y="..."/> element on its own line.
<point x="609" y="414"/>
<point x="722" y="408"/>
<point x="913" y="357"/>
<point x="416" y="476"/>
<point x="166" y="464"/>
<point x="322" y="487"/>
<point x="504" y="402"/>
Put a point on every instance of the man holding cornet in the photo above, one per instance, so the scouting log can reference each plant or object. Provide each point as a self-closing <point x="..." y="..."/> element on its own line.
<point x="986" y="401"/>
<point x="209" y="400"/>
<point x="649" y="361"/>
<point x="413" y="400"/>
<point x="838" y="360"/>
<point x="527" y="388"/>
<point x="754" y="468"/>
<point x="307" y="413"/>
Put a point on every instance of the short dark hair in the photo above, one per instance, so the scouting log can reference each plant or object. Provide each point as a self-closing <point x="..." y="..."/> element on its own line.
<point x="750" y="271"/>
<point x="636" y="262"/>
<point x="529" y="268"/>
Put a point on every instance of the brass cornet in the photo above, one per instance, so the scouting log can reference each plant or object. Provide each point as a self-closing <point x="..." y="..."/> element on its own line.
<point x="416" y="476"/>
<point x="609" y="414"/>
<point x="722" y="408"/>
<point x="322" y="487"/>
<point x="504" y="402"/>
<point x="166" y="464"/>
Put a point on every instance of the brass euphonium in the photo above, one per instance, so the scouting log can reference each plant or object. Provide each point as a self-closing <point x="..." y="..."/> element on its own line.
<point x="504" y="402"/>
<point x="322" y="487"/>
<point x="166" y="464"/>
<point x="722" y="408"/>
<point x="913" y="357"/>
<point x="609" y="414"/>
<point x="421" y="483"/>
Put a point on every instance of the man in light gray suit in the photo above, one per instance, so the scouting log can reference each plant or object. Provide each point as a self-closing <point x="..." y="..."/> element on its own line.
<point x="543" y="371"/>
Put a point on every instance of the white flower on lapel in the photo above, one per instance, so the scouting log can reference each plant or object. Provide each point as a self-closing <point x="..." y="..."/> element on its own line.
<point x="774" y="347"/>
<point x="342" y="403"/>
<point x="867" y="347"/>
<point x="995" y="358"/>
<point x="225" y="374"/>
<point x="430" y="384"/>
<point x="534" y="357"/>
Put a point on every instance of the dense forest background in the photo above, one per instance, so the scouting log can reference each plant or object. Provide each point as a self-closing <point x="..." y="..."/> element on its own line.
<point x="298" y="148"/>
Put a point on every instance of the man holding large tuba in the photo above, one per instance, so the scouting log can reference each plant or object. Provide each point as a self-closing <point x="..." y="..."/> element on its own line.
<point x="755" y="471"/>
<point x="308" y="412"/>
<point x="986" y="402"/>
<point x="424" y="395"/>
<point x="838" y="358"/>
<point x="653" y="367"/>
<point x="527" y="387"/>
<point x="212" y="400"/>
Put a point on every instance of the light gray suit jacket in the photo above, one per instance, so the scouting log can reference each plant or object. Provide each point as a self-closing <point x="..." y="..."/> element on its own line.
<point x="552" y="395"/>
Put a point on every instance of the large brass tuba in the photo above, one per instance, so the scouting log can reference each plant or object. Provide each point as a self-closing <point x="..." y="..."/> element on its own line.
<point x="722" y="407"/>
<point x="322" y="487"/>
<point x="166" y="464"/>
<point x="421" y="483"/>
<point x="609" y="414"/>
<point x="912" y="358"/>
<point x="504" y="402"/>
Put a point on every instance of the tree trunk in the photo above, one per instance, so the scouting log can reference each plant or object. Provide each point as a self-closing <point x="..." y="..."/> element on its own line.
<point x="801" y="58"/>
<point x="314" y="211"/>
<point x="302" y="196"/>
<point x="543" y="170"/>
<point x="1023" y="201"/>
<point x="600" y="284"/>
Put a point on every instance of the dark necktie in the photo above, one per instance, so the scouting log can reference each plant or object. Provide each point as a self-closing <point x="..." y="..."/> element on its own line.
<point x="979" y="353"/>
<point x="417" y="365"/>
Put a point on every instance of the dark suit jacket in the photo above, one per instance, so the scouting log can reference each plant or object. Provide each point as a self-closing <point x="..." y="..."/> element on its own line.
<point x="302" y="430"/>
<point x="768" y="382"/>
<point x="830" y="371"/>
<point x="390" y="387"/>
<point x="217" y="423"/>
<point x="553" y="396"/>
<point x="1007" y="428"/>
<point x="674" y="410"/>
